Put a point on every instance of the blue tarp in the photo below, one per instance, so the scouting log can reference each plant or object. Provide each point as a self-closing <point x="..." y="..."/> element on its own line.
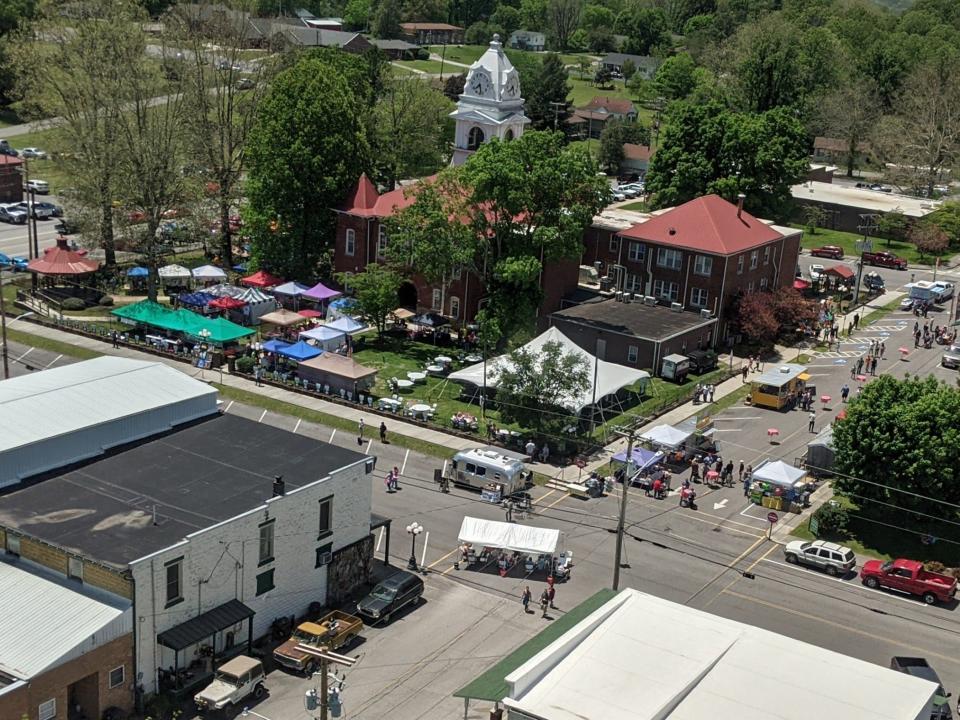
<point x="197" y="299"/>
<point x="138" y="272"/>
<point x="275" y="345"/>
<point x="299" y="351"/>
<point x="343" y="303"/>
<point x="642" y="458"/>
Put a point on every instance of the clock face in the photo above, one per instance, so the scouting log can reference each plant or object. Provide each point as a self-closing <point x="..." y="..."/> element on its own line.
<point x="513" y="87"/>
<point x="480" y="84"/>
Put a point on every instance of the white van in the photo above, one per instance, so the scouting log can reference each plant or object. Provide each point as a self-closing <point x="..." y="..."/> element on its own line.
<point x="478" y="467"/>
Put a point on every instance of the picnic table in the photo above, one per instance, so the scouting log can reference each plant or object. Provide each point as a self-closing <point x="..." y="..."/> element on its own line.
<point x="389" y="404"/>
<point x="404" y="384"/>
<point x="417" y="377"/>
<point x="420" y="409"/>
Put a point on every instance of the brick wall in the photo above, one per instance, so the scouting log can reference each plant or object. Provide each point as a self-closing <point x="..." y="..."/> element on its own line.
<point x="11" y="184"/>
<point x="95" y="694"/>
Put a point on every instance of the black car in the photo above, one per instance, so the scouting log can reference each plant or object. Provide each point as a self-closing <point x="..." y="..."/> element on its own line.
<point x="702" y="361"/>
<point x="388" y="597"/>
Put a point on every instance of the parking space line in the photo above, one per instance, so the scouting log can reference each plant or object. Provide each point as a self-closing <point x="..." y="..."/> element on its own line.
<point x="404" y="466"/>
<point x="29" y="350"/>
<point x="544" y="496"/>
<point x="332" y="434"/>
<point x="229" y="405"/>
<point x="441" y="559"/>
<point x="729" y="566"/>
<point x="737" y="579"/>
<point x="53" y="361"/>
<point x="262" y="416"/>
<point x="557" y="501"/>
<point x="297" y="426"/>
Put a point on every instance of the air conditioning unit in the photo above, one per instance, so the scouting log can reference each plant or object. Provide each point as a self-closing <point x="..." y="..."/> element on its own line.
<point x="649" y="300"/>
<point x="632" y="296"/>
<point x="326" y="558"/>
<point x="619" y="296"/>
<point x="605" y="284"/>
<point x="676" y="307"/>
<point x="704" y="313"/>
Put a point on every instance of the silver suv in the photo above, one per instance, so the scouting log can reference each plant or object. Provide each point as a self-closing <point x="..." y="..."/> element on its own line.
<point x="951" y="357"/>
<point x="832" y="558"/>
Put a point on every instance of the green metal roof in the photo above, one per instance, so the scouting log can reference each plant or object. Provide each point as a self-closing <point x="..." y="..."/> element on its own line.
<point x="492" y="685"/>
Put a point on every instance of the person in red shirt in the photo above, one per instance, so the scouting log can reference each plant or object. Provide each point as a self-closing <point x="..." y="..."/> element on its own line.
<point x="658" y="488"/>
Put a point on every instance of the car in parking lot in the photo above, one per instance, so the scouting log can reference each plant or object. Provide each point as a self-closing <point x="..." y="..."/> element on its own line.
<point x="828" y="251"/>
<point x="41" y="187"/>
<point x="35" y="153"/>
<point x="827" y="556"/>
<point x="55" y="210"/>
<point x="816" y="272"/>
<point x="951" y="357"/>
<point x="41" y="211"/>
<point x="13" y="213"/>
<point x="16" y="264"/>
<point x="391" y="595"/>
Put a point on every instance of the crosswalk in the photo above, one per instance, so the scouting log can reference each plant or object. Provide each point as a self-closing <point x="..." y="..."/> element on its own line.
<point x="860" y="344"/>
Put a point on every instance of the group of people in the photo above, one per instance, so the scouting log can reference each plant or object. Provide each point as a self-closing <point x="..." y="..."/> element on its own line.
<point x="927" y="335"/>
<point x="866" y="363"/>
<point x="703" y="393"/>
<point x="546" y="598"/>
<point x="531" y="450"/>
<point x="392" y="480"/>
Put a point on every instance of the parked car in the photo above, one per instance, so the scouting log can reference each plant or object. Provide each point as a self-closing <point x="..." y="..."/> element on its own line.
<point x="333" y="631"/>
<point x="827" y="556"/>
<point x="32" y="152"/>
<point x="55" y="210"/>
<point x="9" y="151"/>
<point x="66" y="227"/>
<point x="233" y="681"/>
<point x="951" y="357"/>
<point x="920" y="668"/>
<point x="40" y="212"/>
<point x="828" y="251"/>
<point x="396" y="592"/>
<point x="874" y="281"/>
<point x="41" y="187"/>
<point x="884" y="259"/>
<point x="816" y="272"/>
<point x="245" y="84"/>
<point x="702" y="361"/>
<point x="13" y="213"/>
<point x="19" y="263"/>
<point x="908" y="576"/>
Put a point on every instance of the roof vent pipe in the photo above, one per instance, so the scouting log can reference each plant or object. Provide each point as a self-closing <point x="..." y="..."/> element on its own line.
<point x="740" y="198"/>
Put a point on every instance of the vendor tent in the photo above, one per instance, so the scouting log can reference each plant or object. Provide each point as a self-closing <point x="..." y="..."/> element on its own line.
<point x="299" y="351"/>
<point x="310" y="313"/>
<point x="509" y="536"/>
<point x="606" y="378"/>
<point x="138" y="272"/>
<point x="340" y="307"/>
<point x="257" y="301"/>
<point x="174" y="274"/>
<point x="777" y="472"/>
<point x="324" y="337"/>
<point x="275" y="345"/>
<point x="150" y="313"/>
<point x="283" y="318"/>
<point x="402" y="313"/>
<point x="293" y="289"/>
<point x="207" y="273"/>
<point x="666" y="436"/>
<point x="642" y="458"/>
<point x="346" y="324"/>
<point x="338" y="372"/>
<point x="217" y="330"/>
<point x="61" y="260"/>
<point x="226" y="303"/>
<point x="196" y="299"/>
<point x="321" y="292"/>
<point x="261" y="278"/>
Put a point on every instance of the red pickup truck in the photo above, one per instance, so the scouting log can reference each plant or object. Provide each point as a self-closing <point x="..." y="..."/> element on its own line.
<point x="908" y="576"/>
<point x="884" y="259"/>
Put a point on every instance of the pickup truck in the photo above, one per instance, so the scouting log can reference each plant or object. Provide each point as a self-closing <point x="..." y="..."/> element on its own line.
<point x="884" y="259"/>
<point x="332" y="631"/>
<point x="920" y="668"/>
<point x="937" y="292"/>
<point x="908" y="576"/>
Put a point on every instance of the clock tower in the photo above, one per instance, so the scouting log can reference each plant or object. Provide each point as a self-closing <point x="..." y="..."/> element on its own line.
<point x="490" y="105"/>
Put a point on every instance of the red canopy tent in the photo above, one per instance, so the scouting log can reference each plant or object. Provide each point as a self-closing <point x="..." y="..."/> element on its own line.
<point x="61" y="260"/>
<point x="226" y="303"/>
<point x="262" y="279"/>
<point x="308" y="313"/>
<point x="800" y="284"/>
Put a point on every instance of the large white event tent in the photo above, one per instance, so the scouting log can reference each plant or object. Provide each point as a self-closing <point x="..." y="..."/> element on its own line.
<point x="606" y="378"/>
<point x="509" y="536"/>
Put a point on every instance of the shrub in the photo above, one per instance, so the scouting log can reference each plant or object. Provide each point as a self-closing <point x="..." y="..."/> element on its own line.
<point x="833" y="518"/>
<point x="245" y="365"/>
<point x="106" y="300"/>
<point x="72" y="303"/>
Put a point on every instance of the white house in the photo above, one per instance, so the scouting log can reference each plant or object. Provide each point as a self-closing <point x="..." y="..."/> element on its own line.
<point x="527" y="40"/>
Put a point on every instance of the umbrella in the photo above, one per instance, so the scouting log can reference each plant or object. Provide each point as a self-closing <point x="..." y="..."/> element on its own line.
<point x="308" y="313"/>
<point x="903" y="353"/>
<point x="772" y="433"/>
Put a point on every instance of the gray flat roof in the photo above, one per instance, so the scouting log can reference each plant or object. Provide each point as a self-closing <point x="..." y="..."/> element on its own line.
<point x="196" y="476"/>
<point x="650" y="322"/>
<point x="863" y="198"/>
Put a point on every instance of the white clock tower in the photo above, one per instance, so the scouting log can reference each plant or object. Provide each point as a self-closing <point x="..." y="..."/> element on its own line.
<point x="490" y="105"/>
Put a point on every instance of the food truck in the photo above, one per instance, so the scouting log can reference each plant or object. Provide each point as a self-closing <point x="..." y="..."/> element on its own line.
<point x="489" y="466"/>
<point x="778" y="386"/>
<point x="675" y="367"/>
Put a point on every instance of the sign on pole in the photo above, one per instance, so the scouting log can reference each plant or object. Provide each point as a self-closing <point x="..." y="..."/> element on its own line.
<point x="772" y="517"/>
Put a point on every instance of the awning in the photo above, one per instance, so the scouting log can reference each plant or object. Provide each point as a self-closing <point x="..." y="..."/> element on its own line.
<point x="321" y="292"/>
<point x="61" y="260"/>
<point x="291" y="288"/>
<point x="403" y="314"/>
<point x="430" y="320"/>
<point x="209" y="272"/>
<point x="174" y="272"/>
<point x="261" y="278"/>
<point x="346" y="324"/>
<point x="803" y="376"/>
<point x="138" y="272"/>
<point x="779" y="473"/>
<point x="205" y="626"/>
<point x="275" y="345"/>
<point x="666" y="436"/>
<point x="642" y="458"/>
<point x="226" y="303"/>
<point x="509" y="536"/>
<point x="196" y="299"/>
<point x="299" y="351"/>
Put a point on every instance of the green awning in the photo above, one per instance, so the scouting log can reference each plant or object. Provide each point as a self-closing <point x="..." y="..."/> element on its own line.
<point x="492" y="685"/>
<point x="151" y="313"/>
<point x="220" y="329"/>
<point x="215" y="330"/>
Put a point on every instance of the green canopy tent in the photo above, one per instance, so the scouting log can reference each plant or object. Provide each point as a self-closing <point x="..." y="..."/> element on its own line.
<point x="214" y="330"/>
<point x="217" y="330"/>
<point x="150" y="313"/>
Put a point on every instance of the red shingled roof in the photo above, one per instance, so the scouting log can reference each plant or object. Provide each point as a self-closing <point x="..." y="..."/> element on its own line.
<point x="632" y="151"/>
<point x="365" y="201"/>
<point x="709" y="224"/>
<point x="620" y="106"/>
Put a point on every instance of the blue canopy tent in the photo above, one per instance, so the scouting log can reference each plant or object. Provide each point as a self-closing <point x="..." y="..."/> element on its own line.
<point x="641" y="458"/>
<point x="290" y="288"/>
<point x="299" y="351"/>
<point x="275" y="345"/>
<point x="345" y="324"/>
<point x="196" y="299"/>
<point x="138" y="272"/>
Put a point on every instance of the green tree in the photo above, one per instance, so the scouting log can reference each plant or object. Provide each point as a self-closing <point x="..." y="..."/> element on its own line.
<point x="603" y="76"/>
<point x="646" y="29"/>
<point x="614" y="135"/>
<point x="850" y="113"/>
<point x="628" y="69"/>
<point x="768" y="65"/>
<point x="13" y="13"/>
<point x="508" y="18"/>
<point x="386" y="20"/>
<point x="596" y="17"/>
<point x="478" y="34"/>
<point x="946" y="217"/>
<point x="813" y="216"/>
<point x="584" y="65"/>
<point x="894" y="224"/>
<point x="887" y="66"/>
<point x="356" y="14"/>
<point x="375" y="290"/>
<point x="539" y="389"/>
<point x="453" y="86"/>
<point x="533" y="14"/>
<point x="425" y="10"/>
<point x="676" y="77"/>
<point x="547" y="105"/>
<point x="900" y="444"/>
<point x="306" y="151"/>
<point x="929" y="239"/>
<point x="563" y="18"/>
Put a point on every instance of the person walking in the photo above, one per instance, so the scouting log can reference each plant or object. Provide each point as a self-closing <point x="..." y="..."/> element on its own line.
<point x="360" y="432"/>
<point x="544" y="602"/>
<point x="844" y="392"/>
<point x="530" y="448"/>
<point x="551" y="594"/>
<point x="744" y="373"/>
<point x="383" y="432"/>
<point x="740" y="471"/>
<point x="812" y="420"/>
<point x="746" y="484"/>
<point x="396" y="478"/>
<point x="859" y="365"/>
<point x="525" y="599"/>
<point x="388" y="481"/>
<point x="873" y="365"/>
<point x="856" y="321"/>
<point x="883" y="349"/>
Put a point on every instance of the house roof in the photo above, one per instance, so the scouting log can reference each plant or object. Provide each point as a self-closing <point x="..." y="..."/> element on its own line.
<point x="317" y="37"/>
<point x="414" y="26"/>
<point x="708" y="224"/>
<point x="385" y="44"/>
<point x="649" y="322"/>
<point x="632" y="151"/>
<point x="837" y="145"/>
<point x="644" y="61"/>
<point x="365" y="201"/>
<point x="621" y="106"/>
<point x="862" y="198"/>
<point x="583" y="114"/>
<point x="10" y="161"/>
<point x="842" y="271"/>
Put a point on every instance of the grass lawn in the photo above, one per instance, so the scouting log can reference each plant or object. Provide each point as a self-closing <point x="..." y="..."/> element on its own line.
<point x="61" y="348"/>
<point x="874" y="315"/>
<point x="464" y="54"/>
<point x="583" y="91"/>
<point x="848" y="242"/>
<point x="427" y="66"/>
<point x="638" y="206"/>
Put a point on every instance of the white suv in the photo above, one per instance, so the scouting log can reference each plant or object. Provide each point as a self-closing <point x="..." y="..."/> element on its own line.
<point x="832" y="558"/>
<point x="40" y="187"/>
<point x="233" y="681"/>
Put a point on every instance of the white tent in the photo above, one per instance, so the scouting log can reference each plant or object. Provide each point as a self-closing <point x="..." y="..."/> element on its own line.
<point x="346" y="324"/>
<point x="209" y="272"/>
<point x="606" y="378"/>
<point x="779" y="473"/>
<point x="174" y="272"/>
<point x="324" y="337"/>
<point x="509" y="536"/>
<point x="666" y="436"/>
<point x="294" y="289"/>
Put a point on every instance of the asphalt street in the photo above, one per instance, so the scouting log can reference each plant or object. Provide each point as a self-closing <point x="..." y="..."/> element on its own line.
<point x="13" y="238"/>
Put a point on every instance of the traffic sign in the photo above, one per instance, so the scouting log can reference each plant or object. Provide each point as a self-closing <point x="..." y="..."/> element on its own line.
<point x="772" y="517"/>
<point x="581" y="463"/>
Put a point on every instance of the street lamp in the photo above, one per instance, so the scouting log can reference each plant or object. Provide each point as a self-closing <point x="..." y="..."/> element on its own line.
<point x="413" y="529"/>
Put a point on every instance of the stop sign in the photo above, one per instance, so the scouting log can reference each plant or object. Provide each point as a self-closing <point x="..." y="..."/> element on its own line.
<point x="581" y="463"/>
<point x="772" y="517"/>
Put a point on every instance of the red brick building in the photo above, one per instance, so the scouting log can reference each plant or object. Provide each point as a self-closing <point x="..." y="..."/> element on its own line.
<point x="11" y="179"/>
<point x="698" y="256"/>
<point x="361" y="239"/>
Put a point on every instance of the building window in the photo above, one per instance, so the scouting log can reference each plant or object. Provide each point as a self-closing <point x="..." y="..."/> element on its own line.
<point x="633" y="282"/>
<point x="326" y="517"/>
<point x="324" y="555"/>
<point x="740" y="265"/>
<point x="266" y="542"/>
<point x="475" y="138"/>
<point x="698" y="297"/>
<point x="766" y="255"/>
<point x="456" y="272"/>
<point x="669" y="258"/>
<point x="633" y="352"/>
<point x="754" y="256"/>
<point x="750" y="287"/>
<point x="75" y="568"/>
<point x="703" y="265"/>
<point x="455" y="307"/>
<point x="666" y="290"/>
<point x="636" y="252"/>
<point x="350" y="244"/>
<point x="265" y="582"/>
<point x="13" y="544"/>
<point x="47" y="710"/>
<point x="382" y="243"/>
<point x="437" y="300"/>
<point x="763" y="283"/>
<point x="174" y="581"/>
<point x="116" y="677"/>
<point x="614" y="243"/>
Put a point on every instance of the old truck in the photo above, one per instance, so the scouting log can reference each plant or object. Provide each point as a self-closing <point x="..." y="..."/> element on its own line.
<point x="332" y="631"/>
<point x="908" y="576"/>
<point x="233" y="681"/>
<point x="884" y="259"/>
<point x="920" y="668"/>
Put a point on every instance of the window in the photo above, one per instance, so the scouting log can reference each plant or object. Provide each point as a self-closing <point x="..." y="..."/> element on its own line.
<point x="350" y="244"/>
<point x="637" y="251"/>
<point x="763" y="283"/>
<point x="740" y="265"/>
<point x="75" y="568"/>
<point x="703" y="265"/>
<point x="754" y="256"/>
<point x="633" y="282"/>
<point x="265" y="582"/>
<point x="669" y="258"/>
<point x="455" y="273"/>
<point x="116" y="677"/>
<point x="474" y="138"/>
<point x="766" y="255"/>
<point x="437" y="300"/>
<point x="614" y="243"/>
<point x="174" y="581"/>
<point x="455" y="307"/>
<point x="13" y="544"/>
<point x="266" y="542"/>
<point x="326" y="517"/>
<point x="324" y="555"/>
<point x="382" y="243"/>
<point x="632" y="353"/>
<point x="666" y="290"/>
<point x="750" y="287"/>
<point x="47" y="710"/>
<point x="698" y="297"/>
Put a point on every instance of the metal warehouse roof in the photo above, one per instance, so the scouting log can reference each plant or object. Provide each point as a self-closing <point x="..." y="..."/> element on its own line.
<point x="46" y="621"/>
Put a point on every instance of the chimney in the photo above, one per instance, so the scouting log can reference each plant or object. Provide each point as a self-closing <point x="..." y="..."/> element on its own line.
<point x="740" y="198"/>
<point x="278" y="488"/>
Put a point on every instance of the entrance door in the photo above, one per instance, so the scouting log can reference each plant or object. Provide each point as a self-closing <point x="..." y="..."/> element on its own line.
<point x="83" y="698"/>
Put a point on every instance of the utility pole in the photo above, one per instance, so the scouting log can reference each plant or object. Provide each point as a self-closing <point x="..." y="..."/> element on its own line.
<point x="868" y="223"/>
<point x="326" y="657"/>
<point x="3" y="329"/>
<point x="627" y="478"/>
<point x="556" y="112"/>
